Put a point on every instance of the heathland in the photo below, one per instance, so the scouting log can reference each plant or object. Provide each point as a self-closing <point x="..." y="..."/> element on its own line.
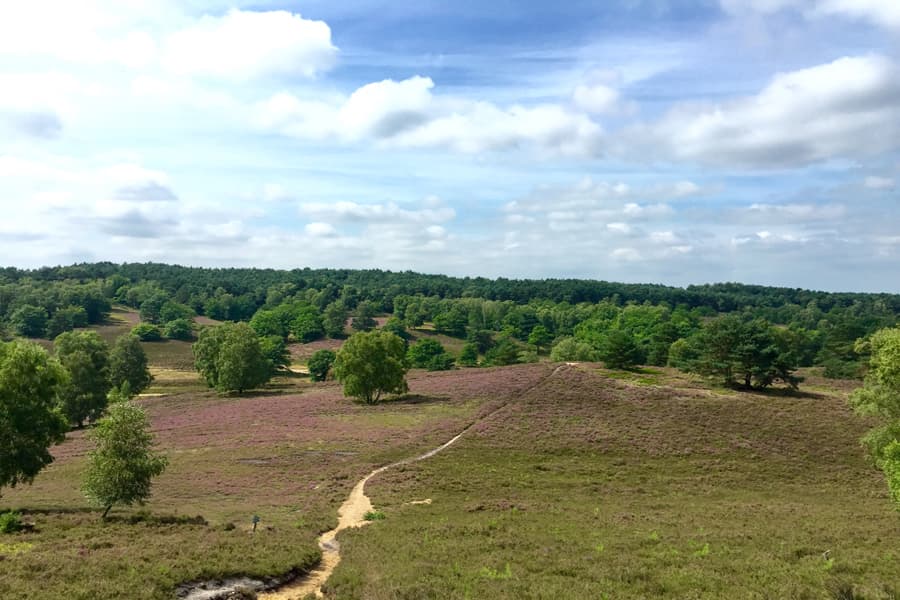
<point x="571" y="479"/>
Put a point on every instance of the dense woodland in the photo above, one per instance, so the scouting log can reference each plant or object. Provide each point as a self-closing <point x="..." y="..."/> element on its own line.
<point x="503" y="320"/>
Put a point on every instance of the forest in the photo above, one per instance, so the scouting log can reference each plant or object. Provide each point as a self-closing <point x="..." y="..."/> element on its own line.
<point x="505" y="321"/>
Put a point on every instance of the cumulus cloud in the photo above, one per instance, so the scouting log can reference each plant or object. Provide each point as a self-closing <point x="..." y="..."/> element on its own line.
<point x="407" y="114"/>
<point x="849" y="108"/>
<point x="242" y="45"/>
<point x="88" y="31"/>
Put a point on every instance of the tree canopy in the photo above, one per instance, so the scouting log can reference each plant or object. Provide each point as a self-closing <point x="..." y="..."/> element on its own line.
<point x="123" y="463"/>
<point x="880" y="396"/>
<point x="371" y="364"/>
<point x="320" y="364"/>
<point x="231" y="359"/>
<point x="86" y="358"/>
<point x="30" y="418"/>
<point x="128" y="365"/>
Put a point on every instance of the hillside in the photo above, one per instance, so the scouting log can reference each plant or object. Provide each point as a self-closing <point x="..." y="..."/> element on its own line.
<point x="585" y="483"/>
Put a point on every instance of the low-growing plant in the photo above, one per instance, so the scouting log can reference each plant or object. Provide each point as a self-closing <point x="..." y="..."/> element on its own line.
<point x="10" y="522"/>
<point x="495" y="574"/>
<point x="374" y="515"/>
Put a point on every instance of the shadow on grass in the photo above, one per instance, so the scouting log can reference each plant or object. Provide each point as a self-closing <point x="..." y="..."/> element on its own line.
<point x="411" y="399"/>
<point x="134" y="518"/>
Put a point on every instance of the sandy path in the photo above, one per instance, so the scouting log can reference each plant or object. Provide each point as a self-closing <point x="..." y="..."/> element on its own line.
<point x="352" y="514"/>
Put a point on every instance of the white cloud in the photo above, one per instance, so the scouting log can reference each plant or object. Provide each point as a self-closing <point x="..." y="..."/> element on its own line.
<point x="320" y="229"/>
<point x="879" y="12"/>
<point x="786" y="213"/>
<point x="406" y="114"/>
<point x="849" y="108"/>
<point x="242" y="45"/>
<point x="880" y="183"/>
<point x="885" y="13"/>
<point x="375" y="213"/>
<point x="88" y="31"/>
<point x="598" y="99"/>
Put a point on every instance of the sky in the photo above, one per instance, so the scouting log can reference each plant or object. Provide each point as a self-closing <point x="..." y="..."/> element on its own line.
<point x="657" y="141"/>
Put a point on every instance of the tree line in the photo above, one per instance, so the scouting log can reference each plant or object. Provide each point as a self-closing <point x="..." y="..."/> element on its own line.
<point x="510" y="319"/>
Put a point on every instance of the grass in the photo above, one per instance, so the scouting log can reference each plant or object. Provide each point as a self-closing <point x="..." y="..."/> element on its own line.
<point x="587" y="483"/>
<point x="593" y="487"/>
<point x="290" y="455"/>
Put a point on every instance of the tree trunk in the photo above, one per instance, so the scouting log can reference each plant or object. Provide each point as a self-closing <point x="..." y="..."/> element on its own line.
<point x="106" y="512"/>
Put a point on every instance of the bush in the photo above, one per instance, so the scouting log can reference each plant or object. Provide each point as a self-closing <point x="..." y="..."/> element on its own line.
<point x="441" y="362"/>
<point x="422" y="353"/>
<point x="468" y="357"/>
<point x="319" y="364"/>
<point x="147" y="332"/>
<point x="179" y="329"/>
<point x="571" y="350"/>
<point x="10" y="522"/>
<point x="506" y="352"/>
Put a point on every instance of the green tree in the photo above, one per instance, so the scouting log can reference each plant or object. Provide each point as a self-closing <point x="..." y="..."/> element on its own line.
<point x="307" y="324"/>
<point x="364" y="319"/>
<point x="179" y="329"/>
<point x="30" y="418"/>
<point x="128" y="365"/>
<point x="230" y="358"/>
<point x="151" y="308"/>
<point x="85" y="356"/>
<point x="880" y="396"/>
<point x="147" y="332"/>
<point x="66" y="319"/>
<point x="275" y="321"/>
<point x="320" y="363"/>
<point x="395" y="326"/>
<point x="420" y="354"/>
<point x="334" y="319"/>
<point x="619" y="350"/>
<point x="371" y="364"/>
<point x="123" y="463"/>
<point x="468" y="356"/>
<point x="29" y="321"/>
<point x="276" y="353"/>
<point x="569" y="349"/>
<point x="452" y="321"/>
<point x="429" y="354"/>
<point x="173" y="311"/>
<point x="540" y="337"/>
<point x="746" y="353"/>
<point x="505" y="352"/>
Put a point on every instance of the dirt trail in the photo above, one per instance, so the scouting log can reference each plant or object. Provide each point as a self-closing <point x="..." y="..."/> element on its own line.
<point x="352" y="514"/>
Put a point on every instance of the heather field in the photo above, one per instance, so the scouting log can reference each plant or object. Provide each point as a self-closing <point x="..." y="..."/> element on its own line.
<point x="573" y="482"/>
<point x="289" y="455"/>
<point x="601" y="484"/>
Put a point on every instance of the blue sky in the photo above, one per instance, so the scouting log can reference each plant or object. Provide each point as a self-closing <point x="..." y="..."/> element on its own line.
<point x="660" y="141"/>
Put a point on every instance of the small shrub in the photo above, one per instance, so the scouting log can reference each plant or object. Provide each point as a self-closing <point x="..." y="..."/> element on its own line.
<point x="495" y="574"/>
<point x="147" y="332"/>
<point x="10" y="522"/>
<point x="374" y="515"/>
